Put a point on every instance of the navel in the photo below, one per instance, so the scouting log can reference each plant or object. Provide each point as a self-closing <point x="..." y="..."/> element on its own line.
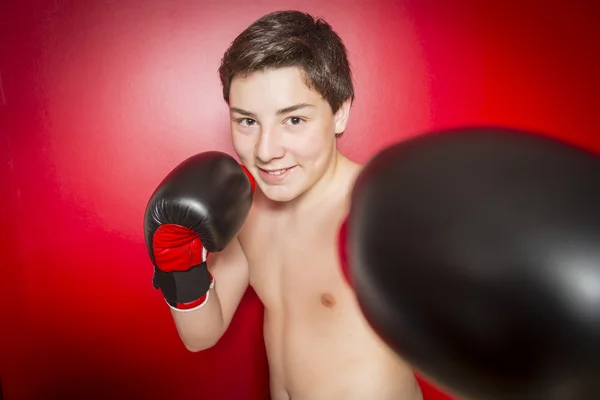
<point x="327" y="300"/>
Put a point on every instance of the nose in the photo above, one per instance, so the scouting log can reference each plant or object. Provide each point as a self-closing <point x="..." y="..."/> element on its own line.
<point x="269" y="146"/>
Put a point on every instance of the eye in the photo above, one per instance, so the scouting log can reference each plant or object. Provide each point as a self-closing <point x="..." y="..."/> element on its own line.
<point x="246" y="122"/>
<point x="294" y="120"/>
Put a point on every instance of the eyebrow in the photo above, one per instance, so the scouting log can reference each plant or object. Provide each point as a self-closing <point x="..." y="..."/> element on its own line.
<point x="282" y="111"/>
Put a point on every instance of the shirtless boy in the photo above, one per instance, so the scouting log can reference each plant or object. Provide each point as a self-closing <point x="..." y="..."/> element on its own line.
<point x="288" y="85"/>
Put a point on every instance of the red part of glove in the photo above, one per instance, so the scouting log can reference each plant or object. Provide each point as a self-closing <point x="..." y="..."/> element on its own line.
<point x="250" y="177"/>
<point x="176" y="248"/>
<point x="343" y="251"/>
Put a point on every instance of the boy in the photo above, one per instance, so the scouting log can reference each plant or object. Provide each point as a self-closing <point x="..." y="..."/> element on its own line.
<point x="289" y="88"/>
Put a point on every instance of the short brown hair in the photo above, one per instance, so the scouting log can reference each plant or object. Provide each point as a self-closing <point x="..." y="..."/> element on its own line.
<point x="292" y="39"/>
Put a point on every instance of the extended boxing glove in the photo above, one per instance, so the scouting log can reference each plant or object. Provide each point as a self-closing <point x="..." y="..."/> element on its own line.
<point x="197" y="209"/>
<point x="343" y="252"/>
<point x="475" y="254"/>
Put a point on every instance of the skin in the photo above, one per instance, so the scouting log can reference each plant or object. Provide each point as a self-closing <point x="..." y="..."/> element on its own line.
<point x="319" y="345"/>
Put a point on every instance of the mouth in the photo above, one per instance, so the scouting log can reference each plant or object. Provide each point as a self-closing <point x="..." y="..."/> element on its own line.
<point x="276" y="175"/>
<point x="277" y="172"/>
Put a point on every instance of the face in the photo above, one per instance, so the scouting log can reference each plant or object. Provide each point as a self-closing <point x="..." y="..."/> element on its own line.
<point x="283" y="132"/>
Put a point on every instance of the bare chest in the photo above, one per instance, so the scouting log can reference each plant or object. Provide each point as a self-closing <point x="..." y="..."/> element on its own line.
<point x="294" y="265"/>
<point x="315" y="335"/>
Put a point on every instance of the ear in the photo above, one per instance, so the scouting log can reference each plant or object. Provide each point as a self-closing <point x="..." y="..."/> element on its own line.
<point x="341" y="117"/>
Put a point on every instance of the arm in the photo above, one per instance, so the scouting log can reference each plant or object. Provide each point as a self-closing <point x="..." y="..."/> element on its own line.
<point x="191" y="225"/>
<point x="202" y="328"/>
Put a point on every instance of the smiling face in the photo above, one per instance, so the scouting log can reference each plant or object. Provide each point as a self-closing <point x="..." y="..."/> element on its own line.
<point x="283" y="132"/>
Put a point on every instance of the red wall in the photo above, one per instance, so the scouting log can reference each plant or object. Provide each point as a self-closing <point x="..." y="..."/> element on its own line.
<point x="101" y="99"/>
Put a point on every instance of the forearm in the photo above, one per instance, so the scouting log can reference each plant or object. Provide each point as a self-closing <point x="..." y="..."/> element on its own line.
<point x="201" y="328"/>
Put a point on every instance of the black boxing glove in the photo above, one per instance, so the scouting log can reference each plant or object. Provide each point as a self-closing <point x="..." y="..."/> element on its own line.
<point x="197" y="209"/>
<point x="475" y="254"/>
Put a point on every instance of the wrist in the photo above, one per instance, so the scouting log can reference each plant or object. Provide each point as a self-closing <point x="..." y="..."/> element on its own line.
<point x="195" y="304"/>
<point x="185" y="290"/>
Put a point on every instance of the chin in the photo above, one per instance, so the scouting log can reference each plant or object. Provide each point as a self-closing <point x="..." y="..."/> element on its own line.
<point x="280" y="194"/>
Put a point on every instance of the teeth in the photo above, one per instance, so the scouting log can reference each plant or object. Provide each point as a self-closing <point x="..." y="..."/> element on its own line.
<point x="278" y="172"/>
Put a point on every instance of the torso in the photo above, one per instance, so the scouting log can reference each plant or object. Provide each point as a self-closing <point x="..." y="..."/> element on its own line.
<point x="318" y="344"/>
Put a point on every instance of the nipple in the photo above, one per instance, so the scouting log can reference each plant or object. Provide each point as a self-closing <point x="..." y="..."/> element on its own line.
<point x="327" y="300"/>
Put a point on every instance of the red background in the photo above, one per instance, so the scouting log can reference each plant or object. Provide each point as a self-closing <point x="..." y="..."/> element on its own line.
<point x="100" y="99"/>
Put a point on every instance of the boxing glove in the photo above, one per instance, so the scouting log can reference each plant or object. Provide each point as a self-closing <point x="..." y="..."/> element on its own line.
<point x="343" y="251"/>
<point x="197" y="209"/>
<point x="475" y="254"/>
